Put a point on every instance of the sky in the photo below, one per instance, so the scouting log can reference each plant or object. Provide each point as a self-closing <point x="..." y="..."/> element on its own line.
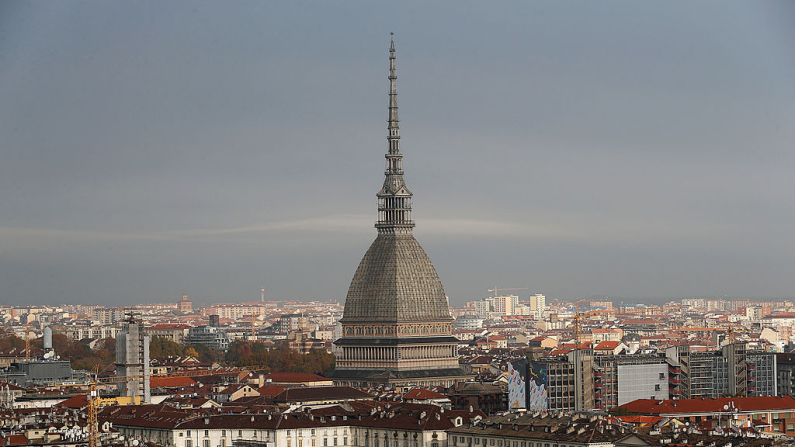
<point x="637" y="150"/>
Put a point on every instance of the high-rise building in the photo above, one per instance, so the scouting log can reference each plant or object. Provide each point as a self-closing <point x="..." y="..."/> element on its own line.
<point x="619" y="379"/>
<point x="732" y="370"/>
<point x="132" y="361"/>
<point x="506" y="305"/>
<point x="483" y="308"/>
<point x="570" y="380"/>
<point x="396" y="326"/>
<point x="538" y="304"/>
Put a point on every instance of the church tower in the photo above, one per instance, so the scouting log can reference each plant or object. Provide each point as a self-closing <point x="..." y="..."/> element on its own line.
<point x="396" y="326"/>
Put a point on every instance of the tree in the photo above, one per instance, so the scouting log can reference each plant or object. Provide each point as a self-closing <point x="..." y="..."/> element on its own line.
<point x="160" y="347"/>
<point x="279" y="358"/>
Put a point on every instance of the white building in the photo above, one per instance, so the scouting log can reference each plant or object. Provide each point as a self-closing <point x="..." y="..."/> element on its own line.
<point x="538" y="304"/>
<point x="365" y="425"/>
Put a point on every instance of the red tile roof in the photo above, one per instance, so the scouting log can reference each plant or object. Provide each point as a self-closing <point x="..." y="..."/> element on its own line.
<point x="79" y="401"/>
<point x="607" y="345"/>
<point x="158" y="382"/>
<point x="13" y="440"/>
<point x="295" y="377"/>
<point x="743" y="404"/>
<point x="423" y="393"/>
<point x="271" y="390"/>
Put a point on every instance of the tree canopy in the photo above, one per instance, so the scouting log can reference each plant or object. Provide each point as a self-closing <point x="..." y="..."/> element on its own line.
<point x="279" y="358"/>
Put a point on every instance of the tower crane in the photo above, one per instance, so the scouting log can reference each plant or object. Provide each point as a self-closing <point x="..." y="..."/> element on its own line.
<point x="27" y="343"/>
<point x="497" y="290"/>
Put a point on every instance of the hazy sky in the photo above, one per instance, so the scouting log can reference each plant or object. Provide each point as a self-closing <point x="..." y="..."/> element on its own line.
<point x="637" y="149"/>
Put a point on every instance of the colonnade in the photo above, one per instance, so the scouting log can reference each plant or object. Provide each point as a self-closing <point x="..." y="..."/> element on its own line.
<point x="398" y="353"/>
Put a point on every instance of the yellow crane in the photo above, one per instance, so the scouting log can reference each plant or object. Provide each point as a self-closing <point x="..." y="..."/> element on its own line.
<point x="27" y="343"/>
<point x="578" y="317"/>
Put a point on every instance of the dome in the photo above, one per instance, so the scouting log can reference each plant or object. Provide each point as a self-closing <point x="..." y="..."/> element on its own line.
<point x="395" y="283"/>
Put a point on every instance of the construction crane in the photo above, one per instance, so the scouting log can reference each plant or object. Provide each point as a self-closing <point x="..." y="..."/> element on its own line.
<point x="497" y="290"/>
<point x="577" y="319"/>
<point x="27" y="343"/>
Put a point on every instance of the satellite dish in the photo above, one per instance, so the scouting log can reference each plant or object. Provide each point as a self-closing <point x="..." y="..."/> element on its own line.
<point x="135" y="442"/>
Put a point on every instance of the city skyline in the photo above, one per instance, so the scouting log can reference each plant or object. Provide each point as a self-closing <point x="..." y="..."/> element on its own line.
<point x="620" y="149"/>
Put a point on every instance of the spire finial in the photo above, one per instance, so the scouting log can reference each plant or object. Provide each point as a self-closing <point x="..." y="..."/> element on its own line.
<point x="394" y="198"/>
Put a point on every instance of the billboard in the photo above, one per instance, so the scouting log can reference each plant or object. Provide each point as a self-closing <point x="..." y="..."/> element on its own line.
<point x="517" y="384"/>
<point x="537" y="387"/>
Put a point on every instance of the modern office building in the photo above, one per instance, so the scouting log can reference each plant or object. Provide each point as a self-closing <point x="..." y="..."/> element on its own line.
<point x="210" y="336"/>
<point x="730" y="371"/>
<point x="619" y="379"/>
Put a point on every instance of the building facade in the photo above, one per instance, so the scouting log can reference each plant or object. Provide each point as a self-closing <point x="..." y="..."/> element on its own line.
<point x="210" y="336"/>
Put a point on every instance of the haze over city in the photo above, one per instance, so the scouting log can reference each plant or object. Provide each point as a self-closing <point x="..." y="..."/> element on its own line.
<point x="620" y="148"/>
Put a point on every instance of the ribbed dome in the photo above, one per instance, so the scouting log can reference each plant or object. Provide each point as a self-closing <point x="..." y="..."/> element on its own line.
<point x="395" y="283"/>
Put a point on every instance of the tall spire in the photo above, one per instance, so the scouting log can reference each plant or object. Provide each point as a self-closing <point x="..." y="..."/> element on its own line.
<point x="394" y="198"/>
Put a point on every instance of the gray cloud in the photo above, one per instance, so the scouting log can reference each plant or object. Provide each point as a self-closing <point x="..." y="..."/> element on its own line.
<point x="622" y="148"/>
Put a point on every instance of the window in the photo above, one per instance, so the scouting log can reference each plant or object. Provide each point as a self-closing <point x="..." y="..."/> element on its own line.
<point x="344" y="440"/>
<point x="312" y="432"/>
<point x="223" y="432"/>
<point x="206" y="432"/>
<point x="223" y="442"/>
<point x="240" y="432"/>
<point x="335" y="441"/>
<point x="492" y="441"/>
<point x="325" y="442"/>
<point x="477" y="441"/>
<point x="189" y="443"/>
<point x="206" y="443"/>
<point x="181" y="434"/>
